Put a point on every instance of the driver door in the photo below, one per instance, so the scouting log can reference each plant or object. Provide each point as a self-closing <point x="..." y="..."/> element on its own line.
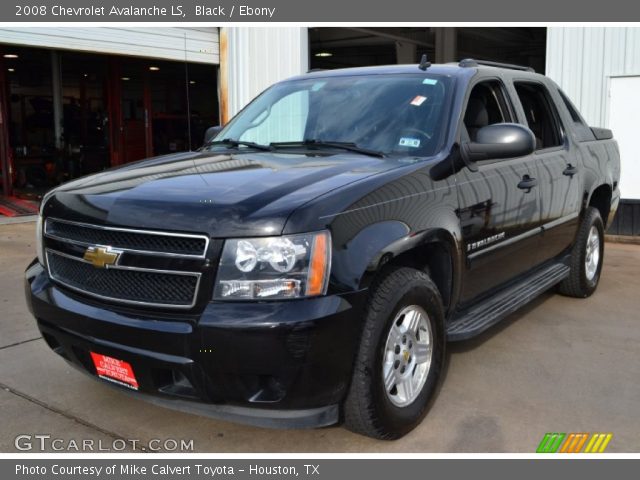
<point x="499" y="218"/>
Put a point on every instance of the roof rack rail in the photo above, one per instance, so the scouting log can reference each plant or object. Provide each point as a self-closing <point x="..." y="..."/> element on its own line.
<point x="471" y="62"/>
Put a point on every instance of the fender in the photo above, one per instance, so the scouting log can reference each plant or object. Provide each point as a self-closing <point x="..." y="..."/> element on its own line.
<point x="378" y="244"/>
<point x="363" y="252"/>
<point x="379" y="218"/>
<point x="601" y="167"/>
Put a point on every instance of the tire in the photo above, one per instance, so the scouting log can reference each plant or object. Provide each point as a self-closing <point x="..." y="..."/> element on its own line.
<point x="585" y="267"/>
<point x="400" y="296"/>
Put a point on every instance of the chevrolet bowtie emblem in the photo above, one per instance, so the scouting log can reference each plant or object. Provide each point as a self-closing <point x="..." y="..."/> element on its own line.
<point x="101" y="257"/>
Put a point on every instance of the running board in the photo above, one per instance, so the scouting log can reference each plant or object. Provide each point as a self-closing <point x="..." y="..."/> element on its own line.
<point x="477" y="319"/>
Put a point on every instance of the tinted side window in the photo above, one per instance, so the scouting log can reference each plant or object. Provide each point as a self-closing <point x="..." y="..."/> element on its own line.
<point x="582" y="130"/>
<point x="487" y="105"/>
<point x="575" y="116"/>
<point x="542" y="116"/>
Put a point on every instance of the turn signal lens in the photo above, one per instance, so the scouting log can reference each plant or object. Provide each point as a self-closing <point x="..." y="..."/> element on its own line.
<point x="319" y="266"/>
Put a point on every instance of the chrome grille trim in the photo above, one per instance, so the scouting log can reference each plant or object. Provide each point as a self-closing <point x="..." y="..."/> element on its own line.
<point x="194" y="297"/>
<point x="128" y="230"/>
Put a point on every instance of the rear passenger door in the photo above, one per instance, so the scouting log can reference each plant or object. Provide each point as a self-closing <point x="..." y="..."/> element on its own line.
<point x="499" y="218"/>
<point x="557" y="166"/>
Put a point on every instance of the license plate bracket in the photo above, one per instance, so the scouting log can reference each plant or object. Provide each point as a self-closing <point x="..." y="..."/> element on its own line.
<point x="114" y="370"/>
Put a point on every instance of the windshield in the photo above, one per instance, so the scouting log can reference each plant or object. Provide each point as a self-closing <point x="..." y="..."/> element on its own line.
<point x="391" y="114"/>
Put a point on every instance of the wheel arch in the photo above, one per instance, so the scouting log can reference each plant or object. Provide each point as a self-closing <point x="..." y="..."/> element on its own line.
<point x="601" y="198"/>
<point x="435" y="251"/>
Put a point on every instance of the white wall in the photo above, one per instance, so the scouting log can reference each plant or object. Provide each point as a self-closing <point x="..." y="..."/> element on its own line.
<point x="257" y="57"/>
<point x="624" y="119"/>
<point x="583" y="60"/>
<point x="202" y="44"/>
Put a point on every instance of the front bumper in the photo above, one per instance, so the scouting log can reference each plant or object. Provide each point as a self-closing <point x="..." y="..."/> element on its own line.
<point x="278" y="364"/>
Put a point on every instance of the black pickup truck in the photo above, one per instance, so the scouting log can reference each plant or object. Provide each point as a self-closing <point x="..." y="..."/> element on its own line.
<point x="309" y="263"/>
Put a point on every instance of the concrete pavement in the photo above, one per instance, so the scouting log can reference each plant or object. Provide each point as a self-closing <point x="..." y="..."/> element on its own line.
<point x="559" y="365"/>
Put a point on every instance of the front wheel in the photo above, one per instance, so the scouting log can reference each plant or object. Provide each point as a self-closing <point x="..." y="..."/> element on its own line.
<point x="400" y="358"/>
<point x="586" y="257"/>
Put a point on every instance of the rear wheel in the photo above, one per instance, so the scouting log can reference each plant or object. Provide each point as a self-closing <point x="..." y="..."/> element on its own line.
<point x="586" y="257"/>
<point x="400" y="358"/>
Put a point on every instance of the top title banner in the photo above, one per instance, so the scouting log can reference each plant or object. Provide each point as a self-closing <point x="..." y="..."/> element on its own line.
<point x="311" y="11"/>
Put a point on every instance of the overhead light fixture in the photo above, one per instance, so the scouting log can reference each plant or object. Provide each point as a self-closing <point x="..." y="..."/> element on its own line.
<point x="11" y="70"/>
<point x="125" y="79"/>
<point x="154" y="69"/>
<point x="86" y="75"/>
<point x="192" y="82"/>
<point x="324" y="54"/>
<point x="10" y="55"/>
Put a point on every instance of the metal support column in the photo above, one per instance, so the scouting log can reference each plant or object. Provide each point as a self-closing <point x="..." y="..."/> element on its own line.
<point x="406" y="53"/>
<point x="56" y="80"/>
<point x="446" y="44"/>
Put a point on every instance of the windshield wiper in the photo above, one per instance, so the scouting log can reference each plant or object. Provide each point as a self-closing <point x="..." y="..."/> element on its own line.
<point x="236" y="143"/>
<point x="350" y="146"/>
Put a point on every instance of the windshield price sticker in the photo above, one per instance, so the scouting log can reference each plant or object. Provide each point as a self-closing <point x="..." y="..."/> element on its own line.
<point x="418" y="100"/>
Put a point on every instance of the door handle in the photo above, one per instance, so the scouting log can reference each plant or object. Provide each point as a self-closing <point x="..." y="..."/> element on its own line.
<point x="527" y="183"/>
<point x="570" y="171"/>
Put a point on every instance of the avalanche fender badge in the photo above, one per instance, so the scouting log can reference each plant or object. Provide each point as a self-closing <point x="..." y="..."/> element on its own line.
<point x="485" y="241"/>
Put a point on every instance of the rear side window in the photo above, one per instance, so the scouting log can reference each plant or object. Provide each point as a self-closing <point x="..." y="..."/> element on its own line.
<point x="583" y="132"/>
<point x="575" y="116"/>
<point x="541" y="114"/>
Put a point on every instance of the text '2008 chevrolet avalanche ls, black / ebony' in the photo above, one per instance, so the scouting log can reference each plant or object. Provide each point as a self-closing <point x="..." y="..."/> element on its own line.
<point x="310" y="262"/>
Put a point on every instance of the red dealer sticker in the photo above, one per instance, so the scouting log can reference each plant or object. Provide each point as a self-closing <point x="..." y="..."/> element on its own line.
<point x="114" y="370"/>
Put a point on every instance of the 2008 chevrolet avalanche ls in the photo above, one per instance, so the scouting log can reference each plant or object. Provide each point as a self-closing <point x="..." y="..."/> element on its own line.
<point x="308" y="264"/>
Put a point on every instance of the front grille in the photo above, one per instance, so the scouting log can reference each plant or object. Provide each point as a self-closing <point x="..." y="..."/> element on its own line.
<point x="125" y="284"/>
<point x="151" y="269"/>
<point x="162" y="243"/>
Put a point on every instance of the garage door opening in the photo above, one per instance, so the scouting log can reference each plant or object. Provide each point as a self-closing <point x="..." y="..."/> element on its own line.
<point x="355" y="47"/>
<point x="65" y="114"/>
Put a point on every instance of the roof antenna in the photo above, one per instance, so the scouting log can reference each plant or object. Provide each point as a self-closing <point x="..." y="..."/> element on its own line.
<point x="424" y="63"/>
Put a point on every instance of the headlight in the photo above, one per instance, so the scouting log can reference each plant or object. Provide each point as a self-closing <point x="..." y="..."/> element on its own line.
<point x="39" y="240"/>
<point x="290" y="266"/>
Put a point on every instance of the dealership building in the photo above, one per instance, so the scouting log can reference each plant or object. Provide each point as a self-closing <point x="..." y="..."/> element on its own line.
<point x="78" y="100"/>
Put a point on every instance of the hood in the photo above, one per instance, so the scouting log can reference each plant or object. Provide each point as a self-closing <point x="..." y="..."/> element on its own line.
<point x="222" y="195"/>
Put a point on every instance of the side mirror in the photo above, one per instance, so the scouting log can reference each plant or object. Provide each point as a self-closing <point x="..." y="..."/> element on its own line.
<point x="211" y="133"/>
<point x="500" y="140"/>
<point x="493" y="142"/>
